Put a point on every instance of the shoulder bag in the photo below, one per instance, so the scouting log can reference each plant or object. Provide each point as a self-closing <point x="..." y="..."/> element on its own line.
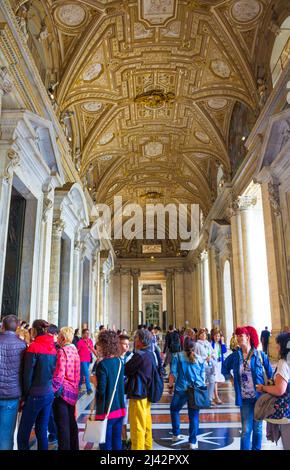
<point x="197" y="396"/>
<point x="96" y="431"/>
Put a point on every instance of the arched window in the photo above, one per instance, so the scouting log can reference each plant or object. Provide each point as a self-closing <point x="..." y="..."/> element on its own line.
<point x="281" y="51"/>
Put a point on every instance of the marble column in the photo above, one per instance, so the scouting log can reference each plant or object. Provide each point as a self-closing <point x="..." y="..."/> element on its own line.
<point x="76" y="284"/>
<point x="97" y="281"/>
<point x="238" y="264"/>
<point x="106" y="281"/>
<point x="169" y="296"/>
<point x="206" y="301"/>
<point x="189" y="297"/>
<point x="93" y="293"/>
<point x="276" y="258"/>
<point x="45" y="252"/>
<point x="9" y="160"/>
<point x="101" y="295"/>
<point x="115" y="299"/>
<point x="247" y="204"/>
<point x="54" y="284"/>
<point x="179" y="297"/>
<point x="135" y="275"/>
<point x="125" y="298"/>
<point x="213" y="260"/>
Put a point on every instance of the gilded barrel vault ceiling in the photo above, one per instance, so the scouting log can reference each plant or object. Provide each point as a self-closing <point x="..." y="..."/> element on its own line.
<point x="146" y="90"/>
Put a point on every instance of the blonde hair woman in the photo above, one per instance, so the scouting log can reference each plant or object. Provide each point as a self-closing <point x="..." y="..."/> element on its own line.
<point x="65" y="385"/>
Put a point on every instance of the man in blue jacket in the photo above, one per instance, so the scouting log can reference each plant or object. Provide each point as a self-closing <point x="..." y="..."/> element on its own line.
<point x="11" y="359"/>
<point x="250" y="367"/>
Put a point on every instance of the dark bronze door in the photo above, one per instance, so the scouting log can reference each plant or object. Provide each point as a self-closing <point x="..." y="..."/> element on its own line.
<point x="13" y="255"/>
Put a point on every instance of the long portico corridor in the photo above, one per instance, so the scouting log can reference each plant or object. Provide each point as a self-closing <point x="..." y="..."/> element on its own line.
<point x="144" y="186"/>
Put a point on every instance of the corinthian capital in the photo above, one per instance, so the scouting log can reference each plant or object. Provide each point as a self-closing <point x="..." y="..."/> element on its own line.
<point x="58" y="227"/>
<point x="135" y="272"/>
<point x="243" y="203"/>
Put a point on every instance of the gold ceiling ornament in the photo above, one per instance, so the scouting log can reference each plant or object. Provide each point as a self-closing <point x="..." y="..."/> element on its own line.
<point x="151" y="195"/>
<point x="193" y="4"/>
<point x="154" y="98"/>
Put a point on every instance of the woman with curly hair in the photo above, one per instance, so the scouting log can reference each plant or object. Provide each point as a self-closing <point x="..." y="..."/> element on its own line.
<point x="249" y="367"/>
<point x="108" y="346"/>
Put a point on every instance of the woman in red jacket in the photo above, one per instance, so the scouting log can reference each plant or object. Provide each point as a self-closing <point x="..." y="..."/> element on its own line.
<point x="39" y="365"/>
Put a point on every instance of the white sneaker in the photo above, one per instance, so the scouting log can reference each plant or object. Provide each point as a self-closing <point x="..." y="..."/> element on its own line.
<point x="180" y="437"/>
<point x="193" y="446"/>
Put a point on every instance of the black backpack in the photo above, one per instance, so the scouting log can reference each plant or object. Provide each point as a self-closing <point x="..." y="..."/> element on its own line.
<point x="174" y="346"/>
<point x="156" y="386"/>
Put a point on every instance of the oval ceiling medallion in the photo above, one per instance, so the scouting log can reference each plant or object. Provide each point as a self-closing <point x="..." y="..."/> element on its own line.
<point x="105" y="158"/>
<point x="202" y="137"/>
<point x="92" y="106"/>
<point x="71" y="14"/>
<point x="106" y="138"/>
<point x="92" y="72"/>
<point x="246" y="10"/>
<point x="220" y="68"/>
<point x="217" y="103"/>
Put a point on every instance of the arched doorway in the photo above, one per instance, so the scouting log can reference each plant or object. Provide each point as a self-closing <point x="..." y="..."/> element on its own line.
<point x="229" y="323"/>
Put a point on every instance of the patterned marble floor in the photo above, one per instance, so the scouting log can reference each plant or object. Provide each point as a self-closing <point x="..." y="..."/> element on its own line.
<point x="219" y="429"/>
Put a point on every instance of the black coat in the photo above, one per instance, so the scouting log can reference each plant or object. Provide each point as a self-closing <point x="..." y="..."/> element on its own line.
<point x="11" y="365"/>
<point x="139" y="374"/>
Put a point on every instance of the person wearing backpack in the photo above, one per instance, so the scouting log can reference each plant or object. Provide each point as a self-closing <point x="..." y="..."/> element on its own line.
<point x="172" y="344"/>
<point x="142" y="386"/>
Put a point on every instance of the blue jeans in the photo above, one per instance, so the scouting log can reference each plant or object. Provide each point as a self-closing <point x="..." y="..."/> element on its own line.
<point x="249" y="426"/>
<point x="85" y="372"/>
<point x="8" y="416"/>
<point x="178" y="401"/>
<point x="52" y="430"/>
<point x="36" y="410"/>
<point x="113" y="435"/>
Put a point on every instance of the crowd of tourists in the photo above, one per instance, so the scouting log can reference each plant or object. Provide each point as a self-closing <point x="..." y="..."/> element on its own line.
<point x="43" y="368"/>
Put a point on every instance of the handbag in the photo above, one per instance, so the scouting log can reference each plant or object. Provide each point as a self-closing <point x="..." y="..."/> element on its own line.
<point x="197" y="396"/>
<point x="96" y="431"/>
